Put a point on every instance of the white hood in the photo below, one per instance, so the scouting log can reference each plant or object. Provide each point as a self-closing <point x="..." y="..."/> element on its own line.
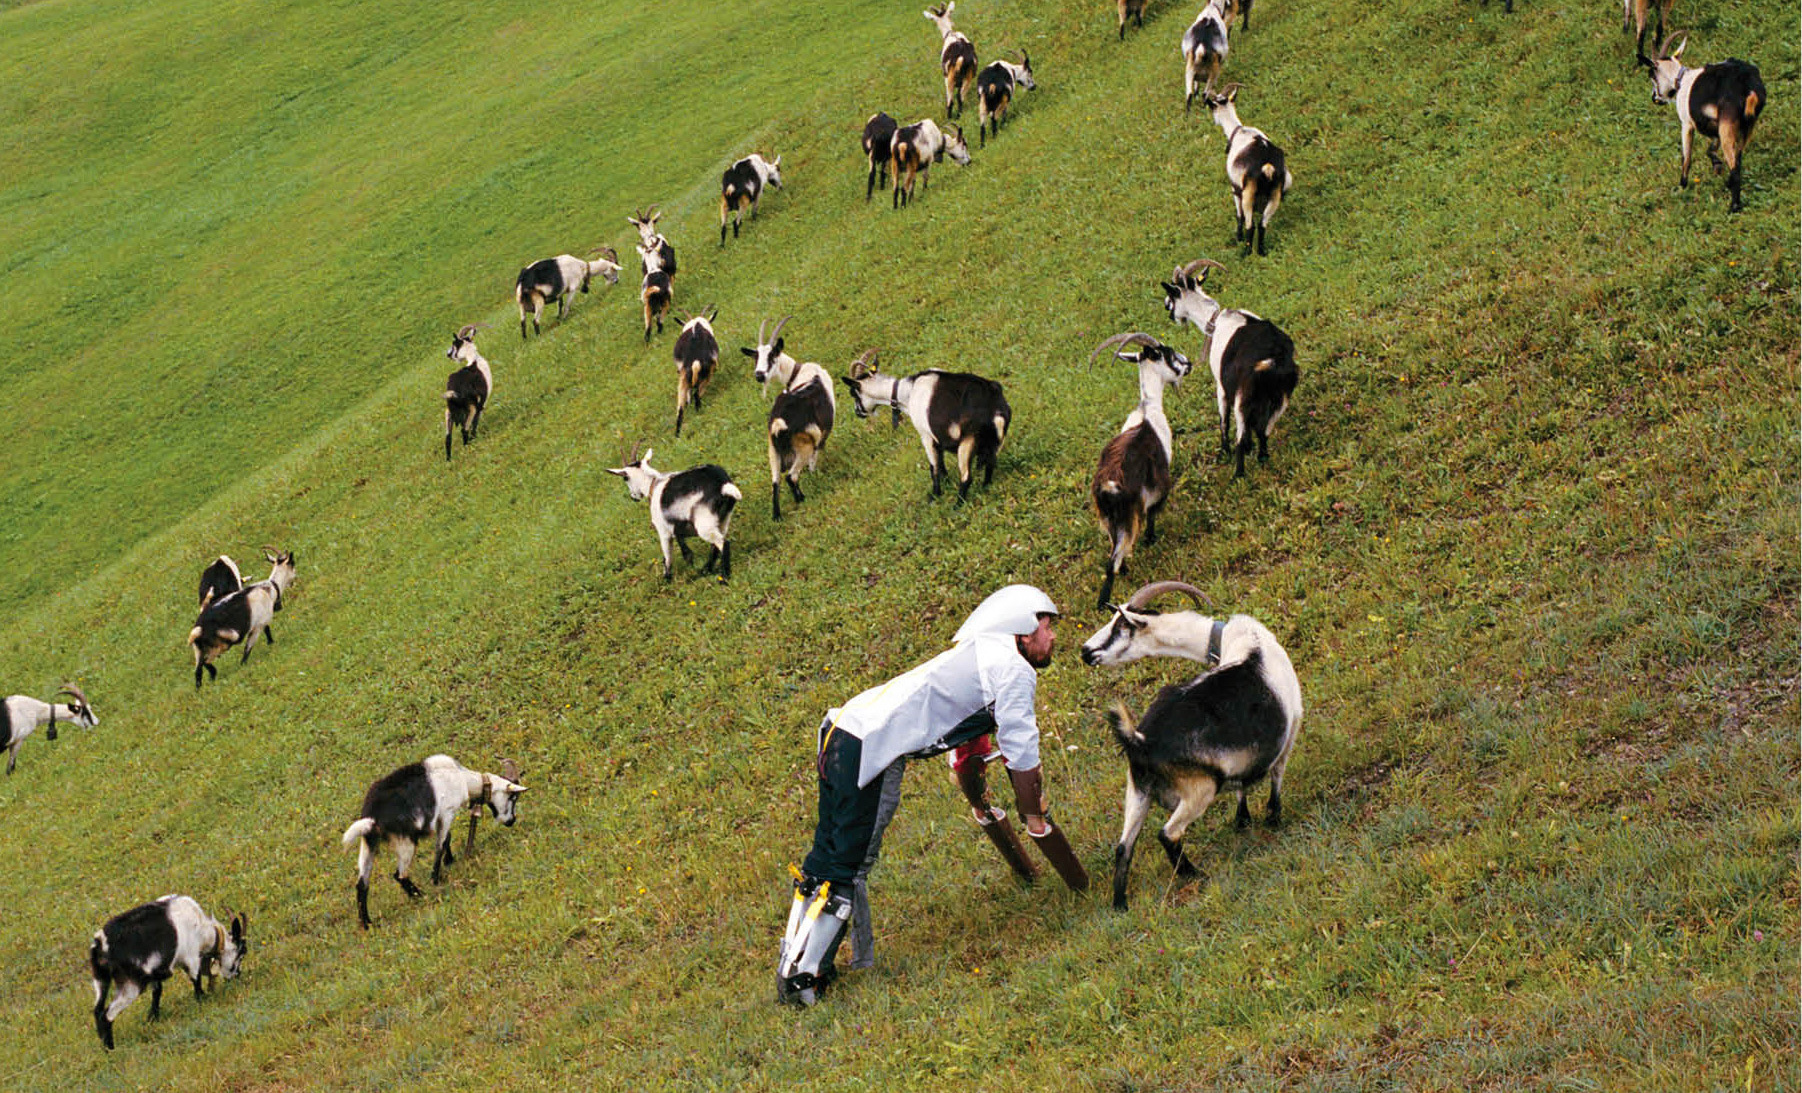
<point x="1013" y="610"/>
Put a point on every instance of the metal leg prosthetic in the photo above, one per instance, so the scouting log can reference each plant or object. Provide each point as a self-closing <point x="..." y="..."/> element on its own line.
<point x="816" y="925"/>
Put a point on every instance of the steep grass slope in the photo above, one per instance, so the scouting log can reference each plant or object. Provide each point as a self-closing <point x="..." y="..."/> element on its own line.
<point x="1530" y="535"/>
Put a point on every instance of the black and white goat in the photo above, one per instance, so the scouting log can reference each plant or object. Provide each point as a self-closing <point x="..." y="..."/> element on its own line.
<point x="654" y="251"/>
<point x="1227" y="729"/>
<point x="146" y="945"/>
<point x="995" y="93"/>
<point x="24" y="714"/>
<point x="1204" y="50"/>
<point x="743" y="184"/>
<point x="698" y="501"/>
<point x="1253" y="361"/>
<point x="1721" y="100"/>
<point x="951" y="411"/>
<point x="240" y="616"/>
<point x="656" y="294"/>
<point x="419" y="801"/>
<point x="917" y="147"/>
<point x="554" y="279"/>
<point x="697" y="355"/>
<point x="1132" y="478"/>
<point x="467" y="389"/>
<point x="957" y="57"/>
<point x="801" y="418"/>
<point x="220" y="579"/>
<point x="878" y="148"/>
<point x="1255" y="169"/>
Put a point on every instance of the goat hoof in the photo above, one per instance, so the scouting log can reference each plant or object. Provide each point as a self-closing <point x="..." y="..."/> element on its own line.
<point x="1119" y="903"/>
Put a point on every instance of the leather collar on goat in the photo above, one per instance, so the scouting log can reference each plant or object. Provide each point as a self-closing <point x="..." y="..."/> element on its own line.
<point x="1214" y="634"/>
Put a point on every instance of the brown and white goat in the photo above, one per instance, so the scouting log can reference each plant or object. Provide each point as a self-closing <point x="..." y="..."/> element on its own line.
<point x="697" y="355"/>
<point x="1131" y="9"/>
<point x="801" y="418"/>
<point x="1204" y="50"/>
<point x="995" y="93"/>
<point x="1256" y="170"/>
<point x="957" y="57"/>
<point x="1722" y="101"/>
<point x="1132" y="477"/>
<point x="1639" y="16"/>
<point x="654" y="251"/>
<point x="916" y="148"/>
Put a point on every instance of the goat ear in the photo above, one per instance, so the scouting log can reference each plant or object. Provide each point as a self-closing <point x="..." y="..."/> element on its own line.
<point x="747" y="351"/>
<point x="1170" y="289"/>
<point x="621" y="471"/>
<point x="776" y="348"/>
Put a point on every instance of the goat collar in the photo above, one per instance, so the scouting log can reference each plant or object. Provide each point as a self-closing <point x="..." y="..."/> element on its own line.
<point x="487" y="790"/>
<point x="1214" y="634"/>
<point x="894" y="404"/>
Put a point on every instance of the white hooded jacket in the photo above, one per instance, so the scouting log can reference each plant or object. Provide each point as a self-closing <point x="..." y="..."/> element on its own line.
<point x="916" y="710"/>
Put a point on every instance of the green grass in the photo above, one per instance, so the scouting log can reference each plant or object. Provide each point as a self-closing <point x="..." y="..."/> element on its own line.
<point x="1529" y="534"/>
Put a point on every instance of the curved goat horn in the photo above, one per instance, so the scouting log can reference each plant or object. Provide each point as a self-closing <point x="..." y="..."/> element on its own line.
<point x="1155" y="589"/>
<point x="1201" y="263"/>
<point x="761" y="340"/>
<point x="469" y="331"/>
<point x="74" y="692"/>
<point x="1133" y="337"/>
<point x="864" y="365"/>
<point x="510" y="771"/>
<point x="651" y="213"/>
<point x="777" y="333"/>
<point x="1664" y="47"/>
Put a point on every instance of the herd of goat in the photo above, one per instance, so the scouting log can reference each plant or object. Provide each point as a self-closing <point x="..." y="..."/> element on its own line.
<point x="1228" y="729"/>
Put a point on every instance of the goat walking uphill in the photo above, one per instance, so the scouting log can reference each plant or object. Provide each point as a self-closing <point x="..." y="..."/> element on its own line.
<point x="995" y="93"/>
<point x="697" y="355"/>
<point x="467" y="389"/>
<point x="743" y="184"/>
<point x="1132" y="478"/>
<point x="801" y="417"/>
<point x="1227" y="729"/>
<point x="1204" y="50"/>
<point x="1256" y="170"/>
<point x="951" y="412"/>
<point x="421" y="800"/>
<point x="1253" y="361"/>
<point x="1722" y="101"/>
<point x="957" y="57"/>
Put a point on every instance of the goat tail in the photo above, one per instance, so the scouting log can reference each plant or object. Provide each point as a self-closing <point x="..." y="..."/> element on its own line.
<point x="1126" y="730"/>
<point x="1269" y="171"/>
<point x="195" y="634"/>
<point x="732" y="491"/>
<point x="99" y="960"/>
<point x="1754" y="103"/>
<point x="358" y="831"/>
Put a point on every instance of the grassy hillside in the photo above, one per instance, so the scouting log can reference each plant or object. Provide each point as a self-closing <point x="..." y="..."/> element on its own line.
<point x="1529" y="534"/>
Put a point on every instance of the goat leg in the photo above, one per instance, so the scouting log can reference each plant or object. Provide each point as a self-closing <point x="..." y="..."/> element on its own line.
<point x="1178" y="859"/>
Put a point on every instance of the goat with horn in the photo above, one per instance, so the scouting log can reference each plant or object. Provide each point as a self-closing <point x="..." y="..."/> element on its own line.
<point x="951" y="411"/>
<point x="1721" y="101"/>
<point x="1132" y="478"/>
<point x="1227" y="729"/>
<point x="698" y="501"/>
<point x="1253" y="361"/>
<point x="654" y="251"/>
<point x="801" y="417"/>
<point x="24" y="714"/>
<point x="1256" y="170"/>
<point x="240" y="616"/>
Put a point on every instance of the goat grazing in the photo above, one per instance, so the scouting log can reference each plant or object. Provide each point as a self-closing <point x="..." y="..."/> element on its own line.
<point x="554" y="279"/>
<point x="1255" y="169"/>
<point x="467" y="389"/>
<point x="1132" y="478"/>
<point x="697" y="355"/>
<point x="742" y="185"/>
<point x="878" y="148"/>
<point x="1204" y="50"/>
<point x="147" y="944"/>
<point x="801" y="417"/>
<point x="1227" y="729"/>
<point x="654" y="251"/>
<point x="24" y="714"/>
<point x="423" y="799"/>
<point x="1253" y="361"/>
<point x="240" y="616"/>
<point x="917" y="147"/>
<point x="698" y="501"/>
<point x="995" y="93"/>
<point x="220" y="579"/>
<point x="951" y="411"/>
<point x="957" y="57"/>
<point x="1721" y="100"/>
